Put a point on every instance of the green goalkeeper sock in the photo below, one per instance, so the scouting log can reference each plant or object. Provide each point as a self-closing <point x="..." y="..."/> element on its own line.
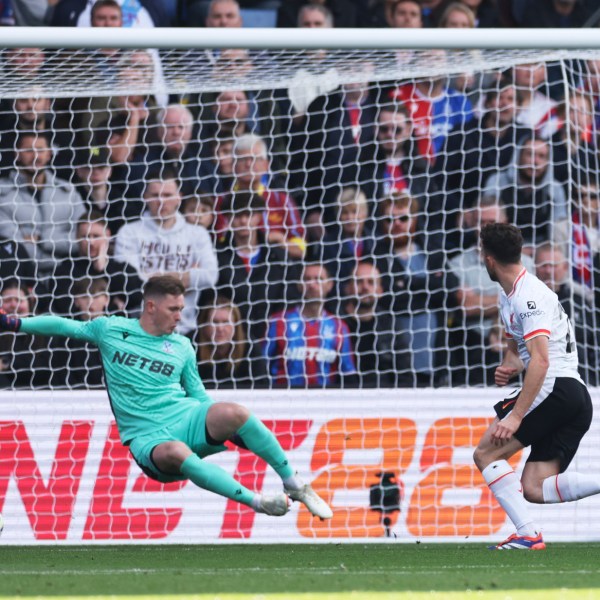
<point x="213" y="478"/>
<point x="263" y="443"/>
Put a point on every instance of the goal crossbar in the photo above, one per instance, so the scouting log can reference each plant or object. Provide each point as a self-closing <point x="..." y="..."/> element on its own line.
<point x="301" y="38"/>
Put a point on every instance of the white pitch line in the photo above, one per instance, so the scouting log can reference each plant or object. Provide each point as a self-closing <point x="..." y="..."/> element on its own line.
<point x="282" y="570"/>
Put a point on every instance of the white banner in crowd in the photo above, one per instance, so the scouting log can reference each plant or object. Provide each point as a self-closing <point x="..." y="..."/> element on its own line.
<point x="65" y="478"/>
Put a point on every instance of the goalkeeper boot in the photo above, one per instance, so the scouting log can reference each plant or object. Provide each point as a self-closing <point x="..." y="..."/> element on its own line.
<point x="521" y="542"/>
<point x="276" y="505"/>
<point x="315" y="504"/>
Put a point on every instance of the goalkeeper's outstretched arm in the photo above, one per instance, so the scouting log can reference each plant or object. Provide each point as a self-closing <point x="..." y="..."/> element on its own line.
<point x="44" y="325"/>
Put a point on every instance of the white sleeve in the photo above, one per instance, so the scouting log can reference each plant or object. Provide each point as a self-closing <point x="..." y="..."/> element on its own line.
<point x="534" y="315"/>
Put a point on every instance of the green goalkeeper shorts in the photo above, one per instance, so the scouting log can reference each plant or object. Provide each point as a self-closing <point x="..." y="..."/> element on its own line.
<point x="191" y="430"/>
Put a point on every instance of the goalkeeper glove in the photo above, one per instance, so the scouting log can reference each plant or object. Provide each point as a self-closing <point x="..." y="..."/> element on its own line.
<point x="9" y="322"/>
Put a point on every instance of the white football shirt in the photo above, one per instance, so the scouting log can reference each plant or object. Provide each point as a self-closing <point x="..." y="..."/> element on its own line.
<point x="532" y="309"/>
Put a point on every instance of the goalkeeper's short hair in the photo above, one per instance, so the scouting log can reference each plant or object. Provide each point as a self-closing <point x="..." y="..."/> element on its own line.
<point x="163" y="285"/>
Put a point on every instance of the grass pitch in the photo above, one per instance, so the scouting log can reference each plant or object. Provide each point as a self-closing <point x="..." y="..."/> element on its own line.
<point x="306" y="572"/>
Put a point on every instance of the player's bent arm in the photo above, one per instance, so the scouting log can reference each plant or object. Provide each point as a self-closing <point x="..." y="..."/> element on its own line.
<point x="535" y="375"/>
<point x="511" y="358"/>
<point x="511" y="365"/>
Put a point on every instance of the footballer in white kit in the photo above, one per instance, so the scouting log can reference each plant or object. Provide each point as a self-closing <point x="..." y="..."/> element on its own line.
<point x="532" y="309"/>
<point x="551" y="412"/>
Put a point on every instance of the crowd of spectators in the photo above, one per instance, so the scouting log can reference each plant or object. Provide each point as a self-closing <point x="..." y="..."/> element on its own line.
<point x="326" y="237"/>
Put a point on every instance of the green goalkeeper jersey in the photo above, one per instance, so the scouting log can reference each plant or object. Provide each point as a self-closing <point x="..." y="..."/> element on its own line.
<point x="152" y="381"/>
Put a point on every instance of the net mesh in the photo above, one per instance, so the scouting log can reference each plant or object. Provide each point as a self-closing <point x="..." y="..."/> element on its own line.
<point x="75" y="73"/>
<point x="245" y="173"/>
<point x="238" y="170"/>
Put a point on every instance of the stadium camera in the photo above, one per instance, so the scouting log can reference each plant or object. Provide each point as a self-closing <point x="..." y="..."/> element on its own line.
<point x="385" y="497"/>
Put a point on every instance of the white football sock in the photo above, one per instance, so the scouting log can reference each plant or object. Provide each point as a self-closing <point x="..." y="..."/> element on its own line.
<point x="506" y="487"/>
<point x="293" y="483"/>
<point x="567" y="487"/>
<point x="255" y="504"/>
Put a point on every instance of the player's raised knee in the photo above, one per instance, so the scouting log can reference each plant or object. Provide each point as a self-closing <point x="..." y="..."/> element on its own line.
<point x="169" y="456"/>
<point x="235" y="415"/>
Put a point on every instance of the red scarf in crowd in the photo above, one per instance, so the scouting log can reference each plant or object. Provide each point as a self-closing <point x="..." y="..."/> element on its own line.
<point x="393" y="178"/>
<point x="582" y="253"/>
<point x="354" y="113"/>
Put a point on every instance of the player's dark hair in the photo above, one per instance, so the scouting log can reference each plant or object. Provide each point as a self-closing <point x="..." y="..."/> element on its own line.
<point x="502" y="241"/>
<point x="163" y="285"/>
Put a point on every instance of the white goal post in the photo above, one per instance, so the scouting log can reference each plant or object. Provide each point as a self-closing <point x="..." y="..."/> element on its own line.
<point x="376" y="153"/>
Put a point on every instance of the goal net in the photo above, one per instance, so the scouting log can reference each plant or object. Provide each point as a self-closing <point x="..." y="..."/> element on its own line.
<point x="337" y="149"/>
<point x="322" y="208"/>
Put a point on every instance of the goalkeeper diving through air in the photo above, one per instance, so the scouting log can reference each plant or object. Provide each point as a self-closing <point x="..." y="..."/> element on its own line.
<point x="163" y="412"/>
